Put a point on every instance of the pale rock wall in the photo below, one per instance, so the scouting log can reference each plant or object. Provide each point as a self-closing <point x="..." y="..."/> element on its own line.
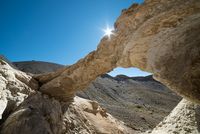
<point x="184" y="119"/>
<point x="15" y="86"/>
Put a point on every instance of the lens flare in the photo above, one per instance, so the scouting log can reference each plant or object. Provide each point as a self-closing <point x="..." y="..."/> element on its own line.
<point x="108" y="32"/>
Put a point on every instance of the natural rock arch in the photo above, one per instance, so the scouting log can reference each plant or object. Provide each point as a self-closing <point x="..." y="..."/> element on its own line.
<point x="159" y="36"/>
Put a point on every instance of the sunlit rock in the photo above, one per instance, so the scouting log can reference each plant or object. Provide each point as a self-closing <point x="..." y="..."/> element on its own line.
<point x="159" y="36"/>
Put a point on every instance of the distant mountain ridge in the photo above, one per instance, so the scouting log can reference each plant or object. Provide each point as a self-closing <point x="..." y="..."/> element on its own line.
<point x="122" y="77"/>
<point x="37" y="67"/>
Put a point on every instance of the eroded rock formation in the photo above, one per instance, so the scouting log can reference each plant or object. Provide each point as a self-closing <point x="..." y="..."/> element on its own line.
<point x="159" y="36"/>
<point x="15" y="86"/>
<point x="184" y="119"/>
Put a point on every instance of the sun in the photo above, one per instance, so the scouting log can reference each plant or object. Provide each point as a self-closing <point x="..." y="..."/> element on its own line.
<point x="108" y="31"/>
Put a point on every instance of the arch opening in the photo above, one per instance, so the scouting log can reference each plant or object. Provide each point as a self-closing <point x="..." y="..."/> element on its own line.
<point x="132" y="96"/>
<point x="128" y="72"/>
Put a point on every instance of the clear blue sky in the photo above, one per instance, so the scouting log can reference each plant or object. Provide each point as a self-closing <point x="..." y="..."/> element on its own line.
<point x="60" y="31"/>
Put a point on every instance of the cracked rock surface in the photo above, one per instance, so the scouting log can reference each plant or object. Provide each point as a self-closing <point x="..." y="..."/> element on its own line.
<point x="184" y="119"/>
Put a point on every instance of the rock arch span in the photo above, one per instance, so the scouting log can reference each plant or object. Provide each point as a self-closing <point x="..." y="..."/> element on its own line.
<point x="159" y="36"/>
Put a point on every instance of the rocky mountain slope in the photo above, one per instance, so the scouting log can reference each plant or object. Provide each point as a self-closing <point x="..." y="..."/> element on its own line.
<point x="140" y="102"/>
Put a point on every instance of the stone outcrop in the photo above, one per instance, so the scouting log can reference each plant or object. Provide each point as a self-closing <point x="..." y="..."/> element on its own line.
<point x="36" y="115"/>
<point x="39" y="114"/>
<point x="94" y="120"/>
<point x="15" y="86"/>
<point x="184" y="119"/>
<point x="159" y="36"/>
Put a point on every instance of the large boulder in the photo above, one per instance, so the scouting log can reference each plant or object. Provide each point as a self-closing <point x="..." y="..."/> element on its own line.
<point x="15" y="86"/>
<point x="184" y="119"/>
<point x="36" y="115"/>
